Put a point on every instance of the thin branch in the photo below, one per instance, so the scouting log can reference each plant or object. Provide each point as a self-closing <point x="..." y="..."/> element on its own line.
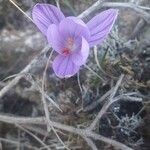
<point x="98" y="64"/>
<point x="36" y="129"/>
<point x="43" y="91"/>
<point x="30" y="79"/>
<point x="88" y="11"/>
<point x="21" y="10"/>
<point x="138" y="28"/>
<point x="91" y="70"/>
<point x="143" y="7"/>
<point x="49" y="125"/>
<point x="97" y="102"/>
<point x="97" y="61"/>
<point x="116" y="87"/>
<point x="100" y="4"/>
<point x="90" y="143"/>
<point x="16" y="143"/>
<point x="34" y="136"/>
<point x="145" y="15"/>
<point x="79" y="83"/>
<point x="106" y="105"/>
<point x="27" y="69"/>
<point x="58" y="4"/>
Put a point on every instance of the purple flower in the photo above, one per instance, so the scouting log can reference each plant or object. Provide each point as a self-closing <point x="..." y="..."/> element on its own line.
<point x="70" y="37"/>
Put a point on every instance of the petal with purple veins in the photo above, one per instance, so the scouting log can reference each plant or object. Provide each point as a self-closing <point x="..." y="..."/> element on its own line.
<point x="54" y="38"/>
<point x="101" y="25"/>
<point x="74" y="28"/>
<point x="45" y="14"/>
<point x="64" y="67"/>
<point x="79" y="57"/>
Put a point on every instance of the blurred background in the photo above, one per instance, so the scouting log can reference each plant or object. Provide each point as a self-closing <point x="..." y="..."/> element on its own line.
<point x="127" y="51"/>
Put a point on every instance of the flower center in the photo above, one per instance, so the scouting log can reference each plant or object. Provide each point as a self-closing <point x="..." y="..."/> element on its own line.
<point x="69" y="46"/>
<point x="66" y="51"/>
<point x="70" y="42"/>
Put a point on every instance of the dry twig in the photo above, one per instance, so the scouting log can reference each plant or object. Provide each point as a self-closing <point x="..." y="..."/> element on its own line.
<point x="100" y="4"/>
<point x="90" y="143"/>
<point x="106" y="105"/>
<point x="49" y="125"/>
<point x="27" y="69"/>
<point x="34" y="136"/>
<point x="17" y="143"/>
<point x="97" y="102"/>
<point x="43" y="95"/>
<point x="144" y="14"/>
<point x="21" y="10"/>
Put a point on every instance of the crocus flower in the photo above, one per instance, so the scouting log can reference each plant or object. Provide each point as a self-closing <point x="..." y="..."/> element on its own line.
<point x="70" y="37"/>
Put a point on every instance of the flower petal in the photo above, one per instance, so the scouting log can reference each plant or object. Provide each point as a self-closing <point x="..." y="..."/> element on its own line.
<point x="79" y="58"/>
<point x="44" y="14"/>
<point x="54" y="38"/>
<point x="73" y="27"/>
<point x="64" y="67"/>
<point x="101" y="25"/>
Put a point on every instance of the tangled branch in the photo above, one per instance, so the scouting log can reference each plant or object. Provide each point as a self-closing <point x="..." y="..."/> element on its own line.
<point x="81" y="132"/>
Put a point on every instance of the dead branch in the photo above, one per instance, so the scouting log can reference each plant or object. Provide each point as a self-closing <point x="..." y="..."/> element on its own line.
<point x="100" y="4"/>
<point x="97" y="102"/>
<point x="15" y="142"/>
<point x="90" y="143"/>
<point x="39" y="88"/>
<point x="138" y="28"/>
<point x="43" y="95"/>
<point x="88" y="11"/>
<point x="27" y="69"/>
<point x="34" y="136"/>
<point x="144" y="14"/>
<point x="106" y="105"/>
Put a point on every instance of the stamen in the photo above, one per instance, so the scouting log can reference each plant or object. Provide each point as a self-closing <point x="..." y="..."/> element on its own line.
<point x="69" y="46"/>
<point x="70" y="42"/>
